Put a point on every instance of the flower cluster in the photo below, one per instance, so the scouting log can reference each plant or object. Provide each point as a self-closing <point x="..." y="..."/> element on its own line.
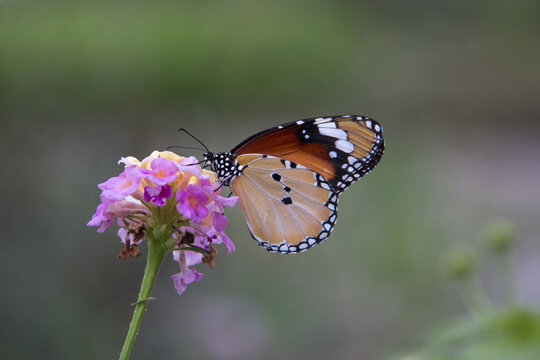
<point x="170" y="199"/>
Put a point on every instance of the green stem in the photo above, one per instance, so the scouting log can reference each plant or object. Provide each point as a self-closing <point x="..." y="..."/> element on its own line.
<point x="508" y="279"/>
<point x="156" y="252"/>
<point x="475" y="297"/>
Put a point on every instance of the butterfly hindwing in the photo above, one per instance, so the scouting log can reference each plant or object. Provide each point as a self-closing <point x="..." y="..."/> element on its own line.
<point x="340" y="148"/>
<point x="288" y="208"/>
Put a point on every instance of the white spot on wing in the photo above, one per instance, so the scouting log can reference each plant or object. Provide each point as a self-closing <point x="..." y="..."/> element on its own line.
<point x="335" y="133"/>
<point x="345" y="146"/>
<point x="327" y="125"/>
<point x="332" y="154"/>
<point x="325" y="186"/>
<point x="322" y="120"/>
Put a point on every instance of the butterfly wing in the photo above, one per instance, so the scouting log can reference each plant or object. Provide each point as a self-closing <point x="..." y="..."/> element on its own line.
<point x="288" y="208"/>
<point x="340" y="148"/>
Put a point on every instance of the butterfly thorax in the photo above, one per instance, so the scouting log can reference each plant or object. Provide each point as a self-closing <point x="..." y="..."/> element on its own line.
<point x="224" y="164"/>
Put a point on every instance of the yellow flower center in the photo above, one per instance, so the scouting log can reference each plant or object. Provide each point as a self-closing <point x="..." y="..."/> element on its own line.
<point x="160" y="174"/>
<point x="193" y="202"/>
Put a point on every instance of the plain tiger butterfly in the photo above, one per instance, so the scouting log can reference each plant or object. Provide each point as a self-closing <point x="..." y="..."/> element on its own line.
<point x="288" y="178"/>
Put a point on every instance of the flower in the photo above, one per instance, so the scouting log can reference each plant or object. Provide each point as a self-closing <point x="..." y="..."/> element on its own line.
<point x="157" y="194"/>
<point x="220" y="222"/>
<point x="169" y="199"/>
<point x="186" y="275"/>
<point x="117" y="188"/>
<point x="162" y="171"/>
<point x="108" y="210"/>
<point x="192" y="201"/>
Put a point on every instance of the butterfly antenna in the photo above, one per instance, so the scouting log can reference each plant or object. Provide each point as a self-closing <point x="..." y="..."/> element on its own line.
<point x="207" y="164"/>
<point x="197" y="163"/>
<point x="199" y="141"/>
<point x="183" y="147"/>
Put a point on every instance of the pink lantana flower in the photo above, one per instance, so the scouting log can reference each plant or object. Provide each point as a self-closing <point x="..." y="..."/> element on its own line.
<point x="169" y="199"/>
<point x="109" y="210"/>
<point x="192" y="202"/>
<point x="158" y="194"/>
<point x="220" y="222"/>
<point x="162" y="171"/>
<point x="186" y="275"/>
<point x="186" y="165"/>
<point x="118" y="187"/>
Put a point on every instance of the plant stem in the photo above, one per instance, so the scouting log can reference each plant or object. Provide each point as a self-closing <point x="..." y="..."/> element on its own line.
<point x="475" y="297"/>
<point x="508" y="279"/>
<point x="156" y="252"/>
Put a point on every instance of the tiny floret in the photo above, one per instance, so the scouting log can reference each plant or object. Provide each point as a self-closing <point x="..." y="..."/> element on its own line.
<point x="192" y="202"/>
<point x="157" y="194"/>
<point x="162" y="171"/>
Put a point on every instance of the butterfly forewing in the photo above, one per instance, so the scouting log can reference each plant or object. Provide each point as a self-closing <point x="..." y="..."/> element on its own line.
<point x="288" y="207"/>
<point x="340" y="148"/>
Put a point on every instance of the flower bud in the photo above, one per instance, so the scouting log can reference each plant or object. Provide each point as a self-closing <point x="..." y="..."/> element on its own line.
<point x="460" y="263"/>
<point x="500" y="235"/>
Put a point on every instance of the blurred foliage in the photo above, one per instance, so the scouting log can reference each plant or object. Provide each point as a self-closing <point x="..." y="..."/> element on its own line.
<point x="489" y="333"/>
<point x="247" y="54"/>
<point x="208" y="52"/>
<point x="500" y="235"/>
<point x="508" y="334"/>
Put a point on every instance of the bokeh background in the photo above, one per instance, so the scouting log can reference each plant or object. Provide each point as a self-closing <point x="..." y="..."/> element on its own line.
<point x="455" y="85"/>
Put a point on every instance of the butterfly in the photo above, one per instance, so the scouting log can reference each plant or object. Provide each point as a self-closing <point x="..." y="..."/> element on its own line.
<point x="288" y="178"/>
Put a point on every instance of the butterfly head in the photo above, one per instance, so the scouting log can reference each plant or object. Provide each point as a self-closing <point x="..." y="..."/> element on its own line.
<point x="224" y="164"/>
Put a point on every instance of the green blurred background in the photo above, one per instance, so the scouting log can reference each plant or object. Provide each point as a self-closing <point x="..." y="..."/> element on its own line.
<point x="455" y="85"/>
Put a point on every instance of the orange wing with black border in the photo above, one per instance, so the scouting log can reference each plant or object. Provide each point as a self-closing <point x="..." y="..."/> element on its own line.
<point x="340" y="148"/>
